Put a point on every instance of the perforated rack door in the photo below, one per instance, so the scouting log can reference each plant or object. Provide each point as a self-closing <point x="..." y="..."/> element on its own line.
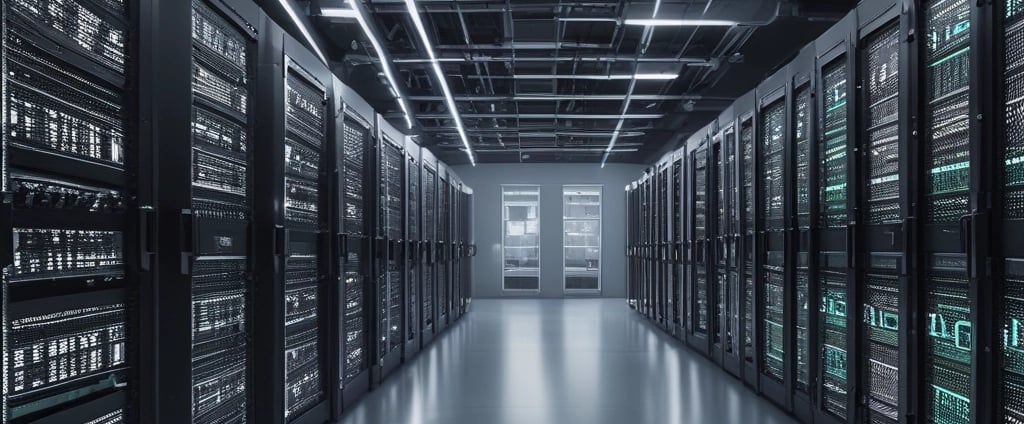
<point x="413" y="236"/>
<point x="802" y="145"/>
<point x="729" y="230"/>
<point x="304" y="218"/>
<point x="354" y="138"/>
<point x="881" y="285"/>
<point x="772" y="272"/>
<point x="430" y="236"/>
<point x="68" y="148"/>
<point x="700" y="300"/>
<point x="1012" y="371"/>
<point x="391" y="229"/>
<point x="221" y="208"/>
<point x="946" y="162"/>
<point x="717" y="275"/>
<point x="748" y="230"/>
<point x="676" y="278"/>
<point x="831" y="270"/>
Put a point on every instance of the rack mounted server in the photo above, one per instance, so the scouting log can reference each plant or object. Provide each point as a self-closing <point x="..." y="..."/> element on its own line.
<point x="155" y="198"/>
<point x="848" y="261"/>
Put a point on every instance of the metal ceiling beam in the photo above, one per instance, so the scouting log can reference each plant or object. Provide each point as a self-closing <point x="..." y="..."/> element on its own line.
<point x="543" y="98"/>
<point x="604" y="58"/>
<point x="540" y="116"/>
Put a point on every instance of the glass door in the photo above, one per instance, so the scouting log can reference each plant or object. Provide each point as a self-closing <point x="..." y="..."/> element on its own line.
<point x="581" y="238"/>
<point x="520" y="241"/>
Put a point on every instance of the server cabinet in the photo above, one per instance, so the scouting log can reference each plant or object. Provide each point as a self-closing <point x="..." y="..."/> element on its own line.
<point x="646" y="229"/>
<point x="727" y="243"/>
<point x="1009" y="252"/>
<point x="677" y="298"/>
<point x="443" y="266"/>
<point x="456" y="247"/>
<point x="771" y="267"/>
<point x="835" y="259"/>
<point x="202" y="70"/>
<point x="949" y="194"/>
<point x="744" y="107"/>
<point x="470" y="248"/>
<point x="698" y="291"/>
<point x="883" y="201"/>
<point x="413" y="248"/>
<point x="292" y="254"/>
<point x="75" y="178"/>
<point x="356" y="131"/>
<point x="801" y="76"/>
<point x="430" y="251"/>
<point x="661" y="212"/>
<point x="388" y="269"/>
<point x="631" y="230"/>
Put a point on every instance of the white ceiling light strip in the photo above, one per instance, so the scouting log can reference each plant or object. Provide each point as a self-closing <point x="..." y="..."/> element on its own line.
<point x="356" y="12"/>
<point x="660" y="77"/>
<point x="449" y="100"/>
<point x="680" y="22"/>
<point x="302" y="28"/>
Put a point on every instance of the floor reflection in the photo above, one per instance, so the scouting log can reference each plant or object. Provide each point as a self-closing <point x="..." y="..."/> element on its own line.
<point x="594" y="361"/>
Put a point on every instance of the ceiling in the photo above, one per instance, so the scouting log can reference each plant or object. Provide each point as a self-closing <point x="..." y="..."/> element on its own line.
<point x="561" y="81"/>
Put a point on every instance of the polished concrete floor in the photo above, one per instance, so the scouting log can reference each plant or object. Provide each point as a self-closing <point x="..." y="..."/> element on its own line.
<point x="591" y="361"/>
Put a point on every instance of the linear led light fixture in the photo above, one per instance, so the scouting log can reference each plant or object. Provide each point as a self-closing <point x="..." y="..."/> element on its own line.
<point x="302" y="28"/>
<point x="357" y="13"/>
<point x="659" y="77"/>
<point x="680" y="22"/>
<point x="441" y="79"/>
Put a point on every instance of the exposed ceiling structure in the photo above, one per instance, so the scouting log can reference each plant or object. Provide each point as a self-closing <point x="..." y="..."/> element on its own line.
<point x="561" y="81"/>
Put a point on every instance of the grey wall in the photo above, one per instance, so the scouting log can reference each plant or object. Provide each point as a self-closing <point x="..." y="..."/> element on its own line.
<point x="486" y="181"/>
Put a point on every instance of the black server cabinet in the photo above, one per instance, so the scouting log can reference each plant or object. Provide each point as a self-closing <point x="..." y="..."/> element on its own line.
<point x="292" y="249"/>
<point x="834" y="259"/>
<point x="75" y="176"/>
<point x="389" y="265"/>
<point x="677" y="299"/>
<point x="201" y="70"/>
<point x="355" y="125"/>
<point x="462" y="249"/>
<point x="631" y="268"/>
<point x="744" y="108"/>
<point x="771" y="269"/>
<point x="645" y="240"/>
<point x="949" y="174"/>
<point x="429" y="288"/>
<point x="356" y="135"/>
<point x="469" y="249"/>
<point x="443" y="266"/>
<point x="1009" y="251"/>
<point x="727" y="243"/>
<point x="661" y="211"/>
<point x="698" y="291"/>
<point x="799" y="224"/>
<point x="413" y="247"/>
<point x="883" y="201"/>
<point x="456" y="246"/>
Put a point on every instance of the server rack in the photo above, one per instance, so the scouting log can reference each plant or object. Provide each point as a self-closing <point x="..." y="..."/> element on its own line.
<point x="677" y="296"/>
<point x="202" y="70"/>
<point x="292" y="258"/>
<point x="70" y="206"/>
<point x="744" y="107"/>
<point x="388" y="270"/>
<point x="771" y="269"/>
<point x="631" y="225"/>
<point x="727" y="243"/>
<point x="646" y="206"/>
<point x="699" y="170"/>
<point x="454" y="190"/>
<point x="443" y="267"/>
<point x="661" y="211"/>
<point x="884" y="205"/>
<point x="1008" y="253"/>
<point x="469" y="250"/>
<point x="356" y="137"/>
<point x="430" y="251"/>
<point x="799" y="224"/>
<point x="413" y="247"/>
<point x="952" y="212"/>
